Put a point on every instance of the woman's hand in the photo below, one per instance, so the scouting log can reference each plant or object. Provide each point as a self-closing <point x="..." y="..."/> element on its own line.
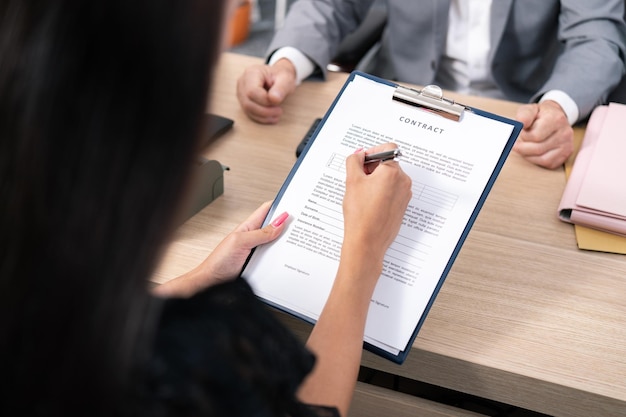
<point x="226" y="261"/>
<point x="376" y="198"/>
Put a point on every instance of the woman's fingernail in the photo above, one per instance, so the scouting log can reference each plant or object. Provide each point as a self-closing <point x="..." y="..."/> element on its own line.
<point x="280" y="219"/>
<point x="358" y="150"/>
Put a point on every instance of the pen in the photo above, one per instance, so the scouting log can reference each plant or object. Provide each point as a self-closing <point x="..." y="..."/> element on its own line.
<point x="383" y="156"/>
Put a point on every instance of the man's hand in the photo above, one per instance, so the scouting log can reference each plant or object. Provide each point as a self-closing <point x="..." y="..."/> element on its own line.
<point x="261" y="90"/>
<point x="547" y="139"/>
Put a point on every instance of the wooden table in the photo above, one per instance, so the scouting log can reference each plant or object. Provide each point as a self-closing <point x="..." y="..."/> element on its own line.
<point x="524" y="317"/>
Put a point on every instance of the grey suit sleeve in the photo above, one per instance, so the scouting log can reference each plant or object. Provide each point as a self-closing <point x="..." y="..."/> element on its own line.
<point x="317" y="27"/>
<point x="591" y="63"/>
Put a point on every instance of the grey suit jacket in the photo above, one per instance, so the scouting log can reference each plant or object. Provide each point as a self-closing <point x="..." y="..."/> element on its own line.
<point x="577" y="46"/>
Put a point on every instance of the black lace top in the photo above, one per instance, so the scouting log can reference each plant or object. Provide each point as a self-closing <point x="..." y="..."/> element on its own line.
<point x="223" y="353"/>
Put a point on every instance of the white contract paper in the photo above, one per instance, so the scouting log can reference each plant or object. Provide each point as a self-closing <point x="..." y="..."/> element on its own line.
<point x="451" y="163"/>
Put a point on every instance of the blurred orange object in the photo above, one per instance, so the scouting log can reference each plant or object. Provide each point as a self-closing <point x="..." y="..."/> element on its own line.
<point x="239" y="25"/>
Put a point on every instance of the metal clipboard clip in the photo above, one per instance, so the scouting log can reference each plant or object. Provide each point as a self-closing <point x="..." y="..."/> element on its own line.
<point x="430" y="98"/>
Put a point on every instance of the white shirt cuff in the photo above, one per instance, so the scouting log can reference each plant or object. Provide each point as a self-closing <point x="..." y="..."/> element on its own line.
<point x="565" y="101"/>
<point x="304" y="66"/>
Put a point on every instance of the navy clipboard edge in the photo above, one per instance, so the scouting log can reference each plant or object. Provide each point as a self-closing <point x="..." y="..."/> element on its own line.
<point x="401" y="356"/>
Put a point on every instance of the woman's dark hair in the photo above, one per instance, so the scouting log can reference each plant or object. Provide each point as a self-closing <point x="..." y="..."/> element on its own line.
<point x="100" y="108"/>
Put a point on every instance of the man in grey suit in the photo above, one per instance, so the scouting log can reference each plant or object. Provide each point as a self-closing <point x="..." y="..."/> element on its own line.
<point x="563" y="58"/>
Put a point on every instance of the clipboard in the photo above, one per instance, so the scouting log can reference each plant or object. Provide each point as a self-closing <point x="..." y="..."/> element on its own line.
<point x="454" y="177"/>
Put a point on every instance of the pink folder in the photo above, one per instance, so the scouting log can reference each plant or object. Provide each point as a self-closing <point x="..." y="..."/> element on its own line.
<point x="595" y="194"/>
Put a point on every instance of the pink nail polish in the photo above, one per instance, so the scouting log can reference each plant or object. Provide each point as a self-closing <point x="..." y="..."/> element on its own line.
<point x="280" y="219"/>
<point x="358" y="150"/>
